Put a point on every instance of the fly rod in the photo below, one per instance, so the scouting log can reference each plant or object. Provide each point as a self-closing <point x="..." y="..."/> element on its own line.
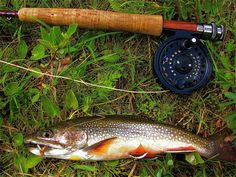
<point x="182" y="63"/>
<point x="107" y="20"/>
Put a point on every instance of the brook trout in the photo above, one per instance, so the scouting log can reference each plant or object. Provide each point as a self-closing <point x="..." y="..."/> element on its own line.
<point x="116" y="137"/>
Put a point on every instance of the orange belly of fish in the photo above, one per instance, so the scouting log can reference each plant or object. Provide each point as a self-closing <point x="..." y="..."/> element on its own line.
<point x="115" y="148"/>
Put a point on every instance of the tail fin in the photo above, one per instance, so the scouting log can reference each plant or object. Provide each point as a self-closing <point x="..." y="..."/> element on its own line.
<point x="224" y="146"/>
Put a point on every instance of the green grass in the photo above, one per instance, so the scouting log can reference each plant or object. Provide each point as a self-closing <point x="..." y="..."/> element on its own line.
<point x="30" y="101"/>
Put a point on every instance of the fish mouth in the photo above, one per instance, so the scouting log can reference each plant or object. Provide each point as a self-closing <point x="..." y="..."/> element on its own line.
<point x="46" y="148"/>
<point x="40" y="146"/>
<point x="41" y="142"/>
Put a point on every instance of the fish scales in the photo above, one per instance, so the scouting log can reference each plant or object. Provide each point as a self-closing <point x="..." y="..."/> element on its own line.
<point x="117" y="137"/>
<point x="128" y="128"/>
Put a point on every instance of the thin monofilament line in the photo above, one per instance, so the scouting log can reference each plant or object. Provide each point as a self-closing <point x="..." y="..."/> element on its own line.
<point x="80" y="80"/>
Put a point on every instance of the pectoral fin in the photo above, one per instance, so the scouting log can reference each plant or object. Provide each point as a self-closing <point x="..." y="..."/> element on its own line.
<point x="100" y="147"/>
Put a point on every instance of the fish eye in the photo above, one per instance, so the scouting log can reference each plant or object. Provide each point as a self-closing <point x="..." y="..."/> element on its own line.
<point x="47" y="134"/>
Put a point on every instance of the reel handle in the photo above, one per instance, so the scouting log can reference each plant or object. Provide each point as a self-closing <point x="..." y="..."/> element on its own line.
<point x="95" y="19"/>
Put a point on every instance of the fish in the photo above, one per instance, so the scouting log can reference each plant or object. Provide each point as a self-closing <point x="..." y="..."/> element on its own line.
<point x="103" y="138"/>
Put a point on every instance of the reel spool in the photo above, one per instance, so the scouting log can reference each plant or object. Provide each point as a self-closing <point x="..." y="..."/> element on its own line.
<point x="182" y="63"/>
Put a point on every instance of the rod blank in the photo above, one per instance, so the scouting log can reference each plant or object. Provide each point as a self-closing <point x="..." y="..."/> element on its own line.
<point x="8" y="13"/>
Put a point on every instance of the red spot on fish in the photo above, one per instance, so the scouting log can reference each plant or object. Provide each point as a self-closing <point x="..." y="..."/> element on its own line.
<point x="187" y="148"/>
<point x="100" y="147"/>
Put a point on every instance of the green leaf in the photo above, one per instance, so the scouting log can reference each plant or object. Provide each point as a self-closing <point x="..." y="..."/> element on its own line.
<point x="230" y="95"/>
<point x="1" y="120"/>
<point x="194" y="158"/>
<point x="86" y="167"/>
<point x="50" y="107"/>
<point x="169" y="160"/>
<point x="87" y="103"/>
<point x="159" y="173"/>
<point x="71" y="30"/>
<point x="226" y="104"/>
<point x="35" y="94"/>
<point x="23" y="164"/>
<point x="47" y="44"/>
<point x="20" y="164"/>
<point x="91" y="48"/>
<point x="71" y="101"/>
<point x="38" y="52"/>
<point x="22" y="49"/>
<point x="56" y="35"/>
<point x="12" y="89"/>
<point x="45" y="35"/>
<point x="36" y="97"/>
<point x="18" y="139"/>
<point x="32" y="161"/>
<point x="231" y="120"/>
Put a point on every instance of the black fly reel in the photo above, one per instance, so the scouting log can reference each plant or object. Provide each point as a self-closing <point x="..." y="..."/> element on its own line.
<point x="182" y="63"/>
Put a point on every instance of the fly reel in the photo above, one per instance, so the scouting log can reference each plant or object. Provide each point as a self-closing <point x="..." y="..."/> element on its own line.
<point x="182" y="63"/>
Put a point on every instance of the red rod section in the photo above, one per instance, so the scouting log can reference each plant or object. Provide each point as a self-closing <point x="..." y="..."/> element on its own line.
<point x="180" y="25"/>
<point x="8" y="13"/>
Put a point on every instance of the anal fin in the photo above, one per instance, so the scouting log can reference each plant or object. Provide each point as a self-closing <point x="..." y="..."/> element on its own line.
<point x="141" y="153"/>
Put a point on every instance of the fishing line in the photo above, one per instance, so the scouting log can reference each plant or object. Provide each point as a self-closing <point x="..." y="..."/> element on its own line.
<point x="88" y="84"/>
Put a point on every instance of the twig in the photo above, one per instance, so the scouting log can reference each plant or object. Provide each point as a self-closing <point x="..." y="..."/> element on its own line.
<point x="80" y="80"/>
<point x="132" y="170"/>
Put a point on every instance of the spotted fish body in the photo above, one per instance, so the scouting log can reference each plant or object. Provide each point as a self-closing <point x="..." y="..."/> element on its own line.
<point x="117" y="137"/>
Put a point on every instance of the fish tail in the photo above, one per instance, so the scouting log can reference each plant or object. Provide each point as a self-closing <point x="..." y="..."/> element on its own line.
<point x="224" y="147"/>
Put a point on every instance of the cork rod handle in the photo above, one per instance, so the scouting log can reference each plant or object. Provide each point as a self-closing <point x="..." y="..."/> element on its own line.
<point x="95" y="19"/>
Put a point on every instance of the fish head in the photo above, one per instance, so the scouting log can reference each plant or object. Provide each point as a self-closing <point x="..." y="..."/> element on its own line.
<point x="57" y="141"/>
